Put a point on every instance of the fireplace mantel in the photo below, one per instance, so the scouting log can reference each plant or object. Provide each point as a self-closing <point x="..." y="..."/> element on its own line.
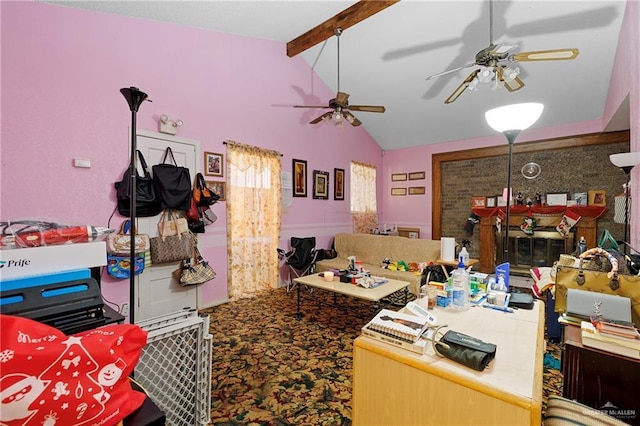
<point x="546" y="217"/>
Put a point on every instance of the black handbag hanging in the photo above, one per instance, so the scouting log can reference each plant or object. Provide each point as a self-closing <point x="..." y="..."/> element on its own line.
<point x="173" y="184"/>
<point x="147" y="203"/>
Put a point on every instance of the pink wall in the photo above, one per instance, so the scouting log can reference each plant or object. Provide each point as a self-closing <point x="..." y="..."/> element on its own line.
<point x="62" y="69"/>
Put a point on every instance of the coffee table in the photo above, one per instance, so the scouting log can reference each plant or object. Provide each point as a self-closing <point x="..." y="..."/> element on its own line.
<point x="371" y="294"/>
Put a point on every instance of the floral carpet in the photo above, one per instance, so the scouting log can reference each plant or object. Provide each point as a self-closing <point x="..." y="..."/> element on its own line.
<point x="271" y="369"/>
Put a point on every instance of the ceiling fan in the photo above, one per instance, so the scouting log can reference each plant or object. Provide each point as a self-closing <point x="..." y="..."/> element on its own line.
<point x="493" y="69"/>
<point x="340" y="104"/>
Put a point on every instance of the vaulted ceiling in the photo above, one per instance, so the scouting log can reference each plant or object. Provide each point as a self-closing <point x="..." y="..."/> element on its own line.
<point x="385" y="59"/>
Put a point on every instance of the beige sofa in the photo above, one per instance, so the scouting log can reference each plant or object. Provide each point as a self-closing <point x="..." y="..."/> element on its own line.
<point x="373" y="249"/>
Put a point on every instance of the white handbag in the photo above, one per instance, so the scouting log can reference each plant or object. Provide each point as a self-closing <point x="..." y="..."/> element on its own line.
<point x="171" y="224"/>
<point x="120" y="243"/>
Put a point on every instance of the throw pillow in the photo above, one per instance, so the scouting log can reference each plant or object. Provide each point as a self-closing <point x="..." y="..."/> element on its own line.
<point x="50" y="378"/>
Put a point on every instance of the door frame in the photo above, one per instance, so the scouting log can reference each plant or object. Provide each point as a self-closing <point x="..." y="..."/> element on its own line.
<point x="198" y="169"/>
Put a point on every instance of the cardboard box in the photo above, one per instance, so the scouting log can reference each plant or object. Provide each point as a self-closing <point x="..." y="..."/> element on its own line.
<point x="26" y="262"/>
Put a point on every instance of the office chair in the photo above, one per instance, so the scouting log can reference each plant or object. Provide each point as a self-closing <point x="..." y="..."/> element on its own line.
<point x="300" y="260"/>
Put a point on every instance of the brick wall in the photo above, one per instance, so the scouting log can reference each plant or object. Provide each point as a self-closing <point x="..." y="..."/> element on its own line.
<point x="576" y="169"/>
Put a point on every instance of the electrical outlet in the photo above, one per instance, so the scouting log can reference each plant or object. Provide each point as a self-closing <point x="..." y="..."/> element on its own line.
<point x="124" y="310"/>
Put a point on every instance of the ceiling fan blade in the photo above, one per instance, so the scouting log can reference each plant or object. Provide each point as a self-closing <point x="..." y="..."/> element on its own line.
<point x="450" y="71"/>
<point x="311" y="106"/>
<point x="351" y="118"/>
<point x="512" y="84"/>
<point x="345" y="19"/>
<point x="326" y="115"/>
<point x="367" y="108"/>
<point x="456" y="93"/>
<point x="342" y="98"/>
<point x="546" y="55"/>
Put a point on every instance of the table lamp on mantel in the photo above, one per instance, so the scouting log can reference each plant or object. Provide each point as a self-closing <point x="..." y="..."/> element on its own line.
<point x="626" y="161"/>
<point x="511" y="120"/>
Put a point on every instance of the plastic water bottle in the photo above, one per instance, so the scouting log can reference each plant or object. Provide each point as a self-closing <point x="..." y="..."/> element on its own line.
<point x="460" y="287"/>
<point x="464" y="254"/>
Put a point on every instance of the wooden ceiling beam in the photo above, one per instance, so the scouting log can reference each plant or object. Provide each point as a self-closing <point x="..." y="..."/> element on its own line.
<point x="345" y="19"/>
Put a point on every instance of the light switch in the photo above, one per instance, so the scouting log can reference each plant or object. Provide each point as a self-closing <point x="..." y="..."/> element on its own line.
<point x="82" y="162"/>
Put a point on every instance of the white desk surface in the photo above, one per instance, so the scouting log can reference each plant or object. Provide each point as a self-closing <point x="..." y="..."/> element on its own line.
<point x="371" y="294"/>
<point x="514" y="371"/>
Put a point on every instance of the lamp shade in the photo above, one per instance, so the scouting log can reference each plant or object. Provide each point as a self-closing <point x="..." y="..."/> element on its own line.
<point x="513" y="117"/>
<point x="625" y="159"/>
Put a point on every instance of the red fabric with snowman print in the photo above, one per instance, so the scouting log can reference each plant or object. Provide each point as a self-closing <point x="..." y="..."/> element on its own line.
<point x="48" y="378"/>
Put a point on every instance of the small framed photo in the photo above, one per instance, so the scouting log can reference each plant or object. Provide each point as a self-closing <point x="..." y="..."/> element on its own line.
<point x="299" y="168"/>
<point x="417" y="190"/>
<point x="320" y="185"/>
<point x="581" y="198"/>
<point x="478" y="202"/>
<point x="398" y="177"/>
<point x="338" y="184"/>
<point x="597" y="198"/>
<point x="217" y="188"/>
<point x="557" y="198"/>
<point x="416" y="175"/>
<point x="398" y="191"/>
<point x="491" y="202"/>
<point x="213" y="164"/>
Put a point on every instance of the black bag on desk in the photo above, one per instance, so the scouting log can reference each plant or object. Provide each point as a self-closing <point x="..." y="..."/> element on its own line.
<point x="466" y="350"/>
<point x="172" y="183"/>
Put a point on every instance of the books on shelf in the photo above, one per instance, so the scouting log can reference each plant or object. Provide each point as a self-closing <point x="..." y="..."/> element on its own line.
<point x="417" y="347"/>
<point x="592" y="337"/>
<point x="398" y="325"/>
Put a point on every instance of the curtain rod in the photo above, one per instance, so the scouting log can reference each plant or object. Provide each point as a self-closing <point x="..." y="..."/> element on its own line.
<point x="225" y="143"/>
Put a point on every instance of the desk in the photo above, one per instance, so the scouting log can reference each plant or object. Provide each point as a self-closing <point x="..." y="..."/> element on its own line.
<point x="371" y="294"/>
<point x="600" y="379"/>
<point x="392" y="386"/>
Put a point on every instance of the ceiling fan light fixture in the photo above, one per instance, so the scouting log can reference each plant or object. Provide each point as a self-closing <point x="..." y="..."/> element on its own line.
<point x="486" y="75"/>
<point x="337" y="116"/>
<point x="349" y="118"/>
<point x="474" y="84"/>
<point x="510" y="73"/>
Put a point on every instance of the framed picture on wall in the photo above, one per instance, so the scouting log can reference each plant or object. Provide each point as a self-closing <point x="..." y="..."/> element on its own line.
<point x="320" y="185"/>
<point x="416" y="190"/>
<point x="338" y="184"/>
<point x="398" y="191"/>
<point x="299" y="168"/>
<point x="491" y="202"/>
<point x="398" y="177"/>
<point x="213" y="164"/>
<point x="416" y="175"/>
<point x="218" y="188"/>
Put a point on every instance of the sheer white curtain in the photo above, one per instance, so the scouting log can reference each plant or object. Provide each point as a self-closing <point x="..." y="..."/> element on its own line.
<point x="253" y="219"/>
<point x="363" y="197"/>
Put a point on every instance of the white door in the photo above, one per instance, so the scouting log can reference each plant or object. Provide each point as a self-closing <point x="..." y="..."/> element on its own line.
<point x="157" y="292"/>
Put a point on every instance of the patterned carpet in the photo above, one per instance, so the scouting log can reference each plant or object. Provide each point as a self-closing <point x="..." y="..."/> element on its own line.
<point x="271" y="369"/>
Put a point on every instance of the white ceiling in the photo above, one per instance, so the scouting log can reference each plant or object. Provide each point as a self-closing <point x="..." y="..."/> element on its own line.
<point x="386" y="58"/>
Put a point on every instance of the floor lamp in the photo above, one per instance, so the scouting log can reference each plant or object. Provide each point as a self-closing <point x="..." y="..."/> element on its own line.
<point x="626" y="161"/>
<point x="134" y="98"/>
<point x="511" y="120"/>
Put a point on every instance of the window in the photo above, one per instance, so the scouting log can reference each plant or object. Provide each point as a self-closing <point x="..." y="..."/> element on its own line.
<point x="363" y="188"/>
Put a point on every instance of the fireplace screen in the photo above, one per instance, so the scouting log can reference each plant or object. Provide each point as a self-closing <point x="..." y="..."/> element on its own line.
<point x="540" y="249"/>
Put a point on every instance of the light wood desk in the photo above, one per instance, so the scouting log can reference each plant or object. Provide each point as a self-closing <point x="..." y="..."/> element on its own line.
<point x="392" y="386"/>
